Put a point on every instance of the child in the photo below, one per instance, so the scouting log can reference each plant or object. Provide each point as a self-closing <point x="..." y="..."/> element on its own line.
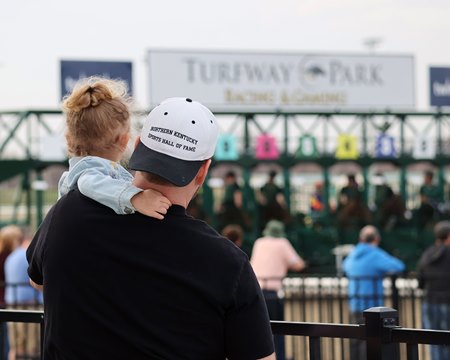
<point x="98" y="130"/>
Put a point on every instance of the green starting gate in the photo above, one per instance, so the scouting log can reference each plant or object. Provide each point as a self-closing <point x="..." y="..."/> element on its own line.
<point x="318" y="143"/>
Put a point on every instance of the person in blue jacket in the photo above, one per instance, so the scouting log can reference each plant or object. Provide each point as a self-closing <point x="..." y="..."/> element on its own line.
<point x="365" y="268"/>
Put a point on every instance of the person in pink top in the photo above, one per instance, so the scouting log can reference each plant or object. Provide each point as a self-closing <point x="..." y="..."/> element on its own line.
<point x="272" y="257"/>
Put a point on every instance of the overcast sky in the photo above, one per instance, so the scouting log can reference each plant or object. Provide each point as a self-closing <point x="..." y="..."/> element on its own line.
<point x="36" y="34"/>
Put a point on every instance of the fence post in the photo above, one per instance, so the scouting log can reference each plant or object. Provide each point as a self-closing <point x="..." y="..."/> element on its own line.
<point x="378" y="321"/>
<point x="395" y="294"/>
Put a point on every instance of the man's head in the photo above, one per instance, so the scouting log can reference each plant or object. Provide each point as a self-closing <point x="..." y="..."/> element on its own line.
<point x="428" y="177"/>
<point x="230" y="177"/>
<point x="351" y="178"/>
<point x="272" y="175"/>
<point x="234" y="233"/>
<point x="274" y="228"/>
<point x="369" y="235"/>
<point x="442" y="232"/>
<point x="177" y="138"/>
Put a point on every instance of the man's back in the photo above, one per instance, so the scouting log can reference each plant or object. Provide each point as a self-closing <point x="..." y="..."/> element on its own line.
<point x="434" y="273"/>
<point x="365" y="266"/>
<point x="145" y="289"/>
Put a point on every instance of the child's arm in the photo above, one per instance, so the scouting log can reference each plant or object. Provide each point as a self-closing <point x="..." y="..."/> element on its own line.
<point x="121" y="195"/>
<point x="111" y="185"/>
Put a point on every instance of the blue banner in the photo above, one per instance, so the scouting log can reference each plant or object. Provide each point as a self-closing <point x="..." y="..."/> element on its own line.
<point x="439" y="86"/>
<point x="72" y="71"/>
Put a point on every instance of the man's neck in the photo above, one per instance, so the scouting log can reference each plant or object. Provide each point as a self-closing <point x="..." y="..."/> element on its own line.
<point x="177" y="195"/>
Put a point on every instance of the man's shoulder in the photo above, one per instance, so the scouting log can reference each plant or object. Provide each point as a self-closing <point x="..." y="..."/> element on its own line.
<point x="74" y="206"/>
<point x="75" y="198"/>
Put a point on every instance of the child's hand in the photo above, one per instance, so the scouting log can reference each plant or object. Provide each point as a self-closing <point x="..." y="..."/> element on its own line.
<point x="151" y="203"/>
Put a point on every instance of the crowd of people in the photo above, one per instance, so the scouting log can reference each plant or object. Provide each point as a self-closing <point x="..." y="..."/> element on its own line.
<point x="354" y="207"/>
<point x="126" y="262"/>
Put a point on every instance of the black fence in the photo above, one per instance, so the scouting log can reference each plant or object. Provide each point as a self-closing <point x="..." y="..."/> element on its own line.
<point x="380" y="332"/>
<point x="325" y="299"/>
<point x="20" y="338"/>
<point x="316" y="309"/>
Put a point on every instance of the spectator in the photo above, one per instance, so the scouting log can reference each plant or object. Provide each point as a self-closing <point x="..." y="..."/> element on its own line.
<point x="272" y="201"/>
<point x="234" y="233"/>
<point x="272" y="257"/>
<point x="382" y="190"/>
<point x="133" y="287"/>
<point x="317" y="205"/>
<point x="10" y="238"/>
<point x="365" y="268"/>
<point x="349" y="192"/>
<point x="429" y="192"/>
<point x="352" y="213"/>
<point x="24" y="337"/>
<point x="430" y="198"/>
<point x="231" y="211"/>
<point x="434" y="276"/>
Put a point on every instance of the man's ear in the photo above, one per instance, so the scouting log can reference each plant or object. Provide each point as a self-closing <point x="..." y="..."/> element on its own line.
<point x="202" y="172"/>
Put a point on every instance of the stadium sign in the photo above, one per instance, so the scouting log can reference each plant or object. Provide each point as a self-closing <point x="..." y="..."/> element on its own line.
<point x="72" y="71"/>
<point x="293" y="82"/>
<point x="439" y="86"/>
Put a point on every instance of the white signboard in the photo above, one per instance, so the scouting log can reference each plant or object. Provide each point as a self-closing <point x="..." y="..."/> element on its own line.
<point x="292" y="82"/>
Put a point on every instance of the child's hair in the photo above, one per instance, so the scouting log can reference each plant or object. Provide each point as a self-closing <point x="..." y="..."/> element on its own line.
<point x="97" y="112"/>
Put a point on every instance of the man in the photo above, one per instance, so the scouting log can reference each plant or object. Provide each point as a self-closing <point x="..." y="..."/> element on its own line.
<point x="349" y="192"/>
<point x="133" y="287"/>
<point x="231" y="211"/>
<point x="430" y="198"/>
<point x="235" y="234"/>
<point x="434" y="270"/>
<point x="272" y="201"/>
<point x="365" y="267"/>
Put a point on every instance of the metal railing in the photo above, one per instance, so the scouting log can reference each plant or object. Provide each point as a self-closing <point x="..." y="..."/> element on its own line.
<point x="380" y="331"/>
<point x="28" y="317"/>
<point x="315" y="307"/>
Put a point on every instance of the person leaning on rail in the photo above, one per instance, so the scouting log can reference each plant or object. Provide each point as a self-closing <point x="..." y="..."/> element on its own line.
<point x="134" y="287"/>
<point x="272" y="257"/>
<point x="365" y="268"/>
<point x="434" y="276"/>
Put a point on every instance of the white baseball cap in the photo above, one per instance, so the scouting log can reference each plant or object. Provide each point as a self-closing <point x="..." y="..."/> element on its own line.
<point x="177" y="137"/>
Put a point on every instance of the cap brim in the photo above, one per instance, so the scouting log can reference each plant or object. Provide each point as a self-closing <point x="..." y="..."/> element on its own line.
<point x="178" y="172"/>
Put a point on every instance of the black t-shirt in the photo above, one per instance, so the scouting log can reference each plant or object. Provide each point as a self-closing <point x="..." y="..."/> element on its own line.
<point x="133" y="287"/>
<point x="434" y="273"/>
